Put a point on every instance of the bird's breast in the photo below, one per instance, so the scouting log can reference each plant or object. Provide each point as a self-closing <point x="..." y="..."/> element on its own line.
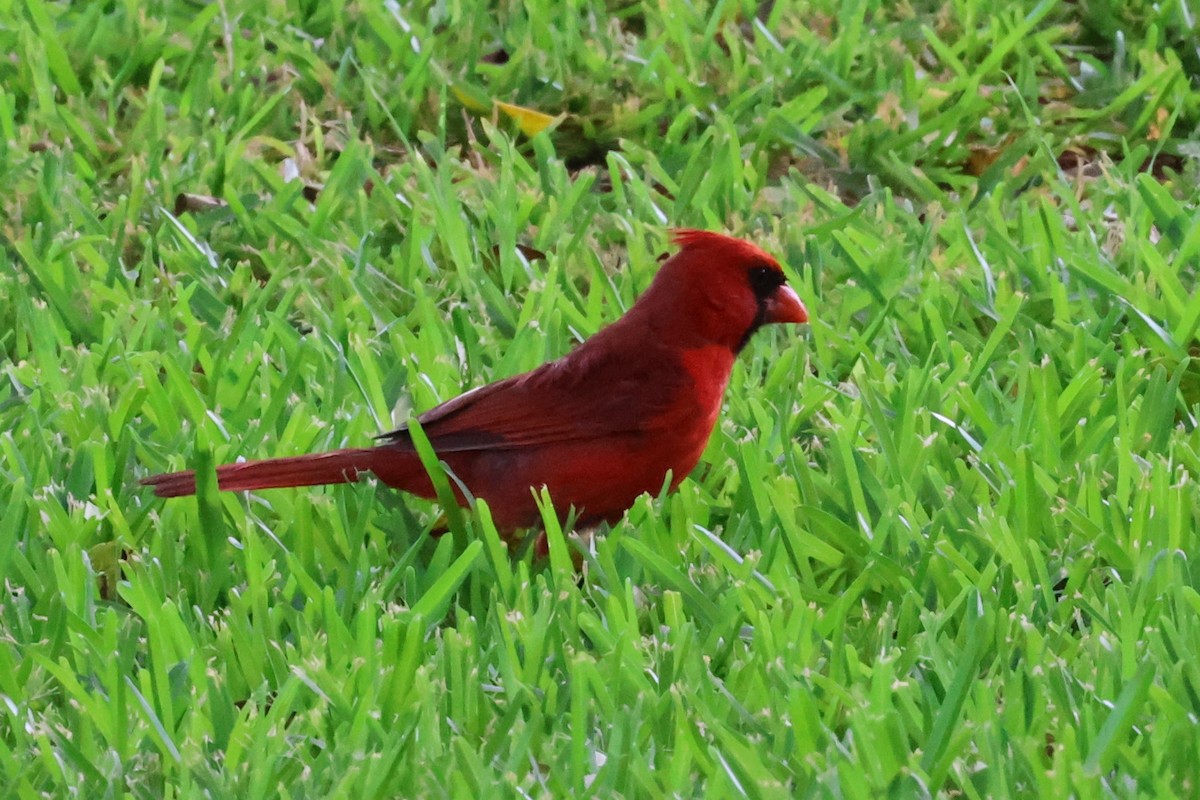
<point x="696" y="413"/>
<point x="709" y="368"/>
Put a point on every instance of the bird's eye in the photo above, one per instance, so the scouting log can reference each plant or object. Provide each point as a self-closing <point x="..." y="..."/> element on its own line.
<point x="765" y="280"/>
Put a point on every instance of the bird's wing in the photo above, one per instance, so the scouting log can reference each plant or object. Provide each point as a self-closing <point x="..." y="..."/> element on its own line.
<point x="592" y="393"/>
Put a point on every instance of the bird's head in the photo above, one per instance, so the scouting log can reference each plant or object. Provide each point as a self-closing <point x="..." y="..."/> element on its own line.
<point x="724" y="289"/>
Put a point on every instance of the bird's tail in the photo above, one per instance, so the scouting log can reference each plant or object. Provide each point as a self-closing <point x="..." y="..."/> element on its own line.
<point x="338" y="466"/>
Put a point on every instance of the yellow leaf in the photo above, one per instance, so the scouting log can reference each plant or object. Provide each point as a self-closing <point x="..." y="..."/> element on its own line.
<point x="529" y="121"/>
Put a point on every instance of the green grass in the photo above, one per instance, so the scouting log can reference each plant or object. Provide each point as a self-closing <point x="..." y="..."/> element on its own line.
<point x="941" y="543"/>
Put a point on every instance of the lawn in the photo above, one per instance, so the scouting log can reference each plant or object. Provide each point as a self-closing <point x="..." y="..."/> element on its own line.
<point x="940" y="544"/>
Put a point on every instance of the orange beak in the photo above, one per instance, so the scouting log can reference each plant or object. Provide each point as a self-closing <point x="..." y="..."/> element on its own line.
<point x="785" y="306"/>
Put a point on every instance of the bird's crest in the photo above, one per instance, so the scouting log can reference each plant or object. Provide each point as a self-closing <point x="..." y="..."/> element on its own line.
<point x="689" y="238"/>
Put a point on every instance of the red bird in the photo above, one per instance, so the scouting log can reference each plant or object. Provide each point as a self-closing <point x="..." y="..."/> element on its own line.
<point x="599" y="426"/>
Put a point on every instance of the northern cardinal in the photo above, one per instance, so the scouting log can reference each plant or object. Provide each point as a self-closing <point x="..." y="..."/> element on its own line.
<point x="597" y="427"/>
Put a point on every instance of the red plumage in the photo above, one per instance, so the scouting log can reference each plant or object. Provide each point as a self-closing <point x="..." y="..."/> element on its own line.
<point x="599" y="426"/>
